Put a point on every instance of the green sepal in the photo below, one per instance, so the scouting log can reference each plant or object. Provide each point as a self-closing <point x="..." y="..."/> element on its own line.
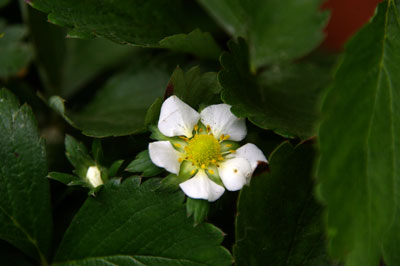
<point x="143" y="164"/>
<point x="153" y="112"/>
<point x="202" y="128"/>
<point x="198" y="208"/>
<point x="80" y="182"/>
<point x="93" y="191"/>
<point x="170" y="183"/>
<point x="104" y="171"/>
<point x="215" y="176"/>
<point x="78" y="156"/>
<point x="115" y="166"/>
<point x="186" y="169"/>
<point x="157" y="135"/>
<point x="66" y="179"/>
<point x="234" y="145"/>
<point x="97" y="151"/>
<point x="69" y="180"/>
<point x="116" y="182"/>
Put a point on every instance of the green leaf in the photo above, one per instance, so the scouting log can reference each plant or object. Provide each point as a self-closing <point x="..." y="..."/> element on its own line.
<point x="143" y="164"/>
<point x="198" y="208"/>
<point x="276" y="30"/>
<point x="154" y="23"/>
<point x="119" y="108"/>
<point x="359" y="142"/>
<point x="115" y="166"/>
<point x="25" y="213"/>
<point x="83" y="64"/>
<point x="284" y="98"/>
<point x="278" y="221"/>
<point x="130" y="261"/>
<point x="97" y="151"/>
<point x="15" y="55"/>
<point x="133" y="220"/>
<point x="196" y="42"/>
<point x="67" y="64"/>
<point x="123" y="21"/>
<point x="195" y="88"/>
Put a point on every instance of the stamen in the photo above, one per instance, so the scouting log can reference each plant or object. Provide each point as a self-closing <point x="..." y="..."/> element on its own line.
<point x="226" y="137"/>
<point x="200" y="130"/>
<point x="232" y="151"/>
<point x="192" y="172"/>
<point x="211" y="171"/>
<point x="184" y="138"/>
<point x="203" y="150"/>
<point x="228" y="145"/>
<point x="177" y="145"/>
<point x="196" y="127"/>
<point x="208" y="128"/>
<point x="235" y="170"/>
<point x="180" y="160"/>
<point x="221" y="138"/>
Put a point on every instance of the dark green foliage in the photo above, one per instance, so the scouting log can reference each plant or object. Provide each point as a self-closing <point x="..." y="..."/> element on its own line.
<point x="284" y="98"/>
<point x="359" y="140"/>
<point x="25" y="213"/>
<point x="131" y="222"/>
<point x="276" y="30"/>
<point x="195" y="88"/>
<point x="100" y="70"/>
<point x="278" y="221"/>
<point x="15" y="55"/>
<point x="150" y="23"/>
<point x="120" y="106"/>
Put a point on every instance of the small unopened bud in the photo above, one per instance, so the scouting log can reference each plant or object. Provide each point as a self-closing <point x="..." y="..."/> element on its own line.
<point x="93" y="174"/>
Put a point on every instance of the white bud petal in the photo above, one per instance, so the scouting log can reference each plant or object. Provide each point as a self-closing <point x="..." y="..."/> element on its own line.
<point x="93" y="174"/>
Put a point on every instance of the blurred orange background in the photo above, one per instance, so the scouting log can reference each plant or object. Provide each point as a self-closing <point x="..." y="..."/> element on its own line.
<point x="347" y="16"/>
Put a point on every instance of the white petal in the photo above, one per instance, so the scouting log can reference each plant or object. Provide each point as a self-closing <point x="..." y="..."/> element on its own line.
<point x="177" y="118"/>
<point x="201" y="187"/>
<point x="253" y="154"/>
<point x="164" y="155"/>
<point x="222" y="121"/>
<point x="234" y="173"/>
<point x="93" y="174"/>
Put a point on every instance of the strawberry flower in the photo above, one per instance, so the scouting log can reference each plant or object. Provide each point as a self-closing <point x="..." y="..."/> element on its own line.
<point x="203" y="149"/>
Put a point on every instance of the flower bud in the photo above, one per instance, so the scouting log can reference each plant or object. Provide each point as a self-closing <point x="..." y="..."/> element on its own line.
<point x="93" y="175"/>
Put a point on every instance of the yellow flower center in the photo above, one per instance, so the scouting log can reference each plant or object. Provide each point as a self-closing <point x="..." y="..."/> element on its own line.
<point x="203" y="150"/>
